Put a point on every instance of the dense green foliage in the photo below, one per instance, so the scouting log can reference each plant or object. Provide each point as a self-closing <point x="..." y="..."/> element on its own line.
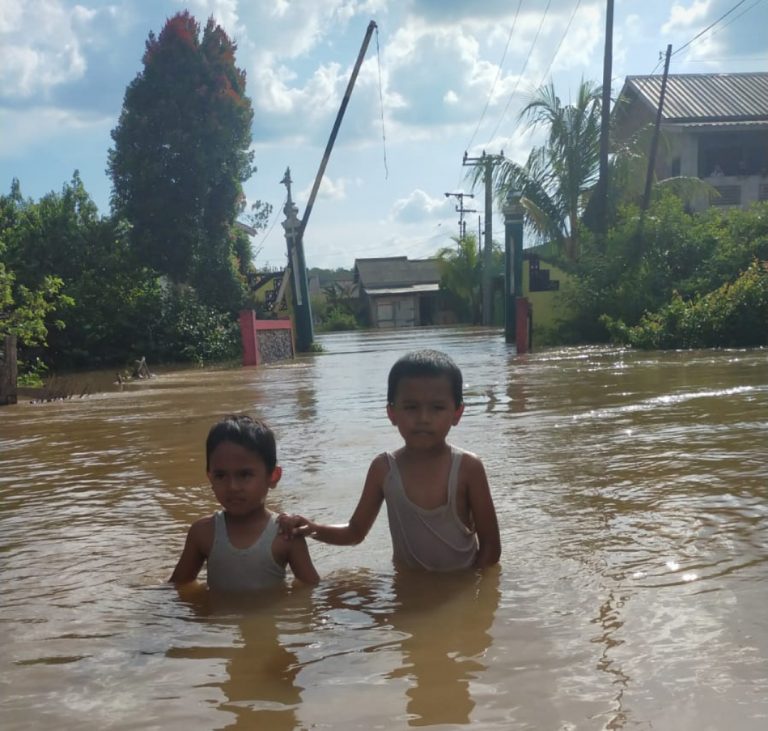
<point x="734" y="315"/>
<point x="73" y="293"/>
<point x="670" y="260"/>
<point x="181" y="154"/>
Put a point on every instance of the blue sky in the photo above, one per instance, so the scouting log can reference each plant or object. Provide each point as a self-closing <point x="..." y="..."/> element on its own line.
<point x="441" y="77"/>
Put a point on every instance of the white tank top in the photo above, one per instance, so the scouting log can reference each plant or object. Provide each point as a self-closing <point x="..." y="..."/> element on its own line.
<point x="434" y="539"/>
<point x="243" y="569"/>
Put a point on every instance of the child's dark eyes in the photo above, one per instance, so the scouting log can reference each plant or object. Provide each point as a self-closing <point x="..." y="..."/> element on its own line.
<point x="242" y="475"/>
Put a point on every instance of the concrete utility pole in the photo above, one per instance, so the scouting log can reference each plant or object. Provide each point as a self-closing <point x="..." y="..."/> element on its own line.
<point x="486" y="162"/>
<point x="461" y="211"/>
<point x="513" y="261"/>
<point x="605" y="121"/>
<point x="300" y="289"/>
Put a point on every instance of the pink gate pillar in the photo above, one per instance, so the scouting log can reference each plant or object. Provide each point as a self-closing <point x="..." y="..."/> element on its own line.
<point x="249" y="334"/>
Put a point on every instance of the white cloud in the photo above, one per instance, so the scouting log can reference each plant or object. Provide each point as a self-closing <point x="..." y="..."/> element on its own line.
<point x="23" y="130"/>
<point x="335" y="190"/>
<point x="39" y="46"/>
<point x="682" y="17"/>
<point x="224" y="12"/>
<point x="419" y="206"/>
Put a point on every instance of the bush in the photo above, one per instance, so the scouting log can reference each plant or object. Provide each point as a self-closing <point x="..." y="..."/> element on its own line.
<point x="735" y="315"/>
<point x="660" y="264"/>
<point x="336" y="320"/>
<point x="191" y="331"/>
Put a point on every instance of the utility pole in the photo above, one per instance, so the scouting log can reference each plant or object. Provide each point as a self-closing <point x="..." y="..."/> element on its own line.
<point x="297" y="265"/>
<point x="295" y="228"/>
<point x="461" y="211"/>
<point x="605" y="121"/>
<point x="656" y="130"/>
<point x="486" y="162"/>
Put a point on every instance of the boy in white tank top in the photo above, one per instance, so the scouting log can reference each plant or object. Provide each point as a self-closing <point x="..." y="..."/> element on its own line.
<point x="439" y="505"/>
<point x="240" y="543"/>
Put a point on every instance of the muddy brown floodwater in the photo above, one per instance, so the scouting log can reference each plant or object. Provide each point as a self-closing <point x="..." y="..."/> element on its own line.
<point x="631" y="490"/>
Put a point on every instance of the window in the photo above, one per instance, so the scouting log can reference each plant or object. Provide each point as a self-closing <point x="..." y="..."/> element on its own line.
<point x="729" y="195"/>
<point x="732" y="153"/>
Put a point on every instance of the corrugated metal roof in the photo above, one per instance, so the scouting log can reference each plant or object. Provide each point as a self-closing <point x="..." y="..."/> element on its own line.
<point x="396" y="271"/>
<point x="706" y="97"/>
<point x="415" y="289"/>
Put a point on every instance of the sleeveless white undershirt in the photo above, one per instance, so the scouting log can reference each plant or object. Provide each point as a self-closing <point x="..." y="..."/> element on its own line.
<point x="243" y="569"/>
<point x="434" y="539"/>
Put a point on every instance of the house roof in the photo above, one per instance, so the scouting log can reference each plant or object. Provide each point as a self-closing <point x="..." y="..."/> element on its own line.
<point x="702" y="98"/>
<point x="396" y="272"/>
<point x="413" y="289"/>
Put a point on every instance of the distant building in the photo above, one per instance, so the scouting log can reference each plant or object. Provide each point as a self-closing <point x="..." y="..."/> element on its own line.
<point x="399" y="292"/>
<point x="715" y="126"/>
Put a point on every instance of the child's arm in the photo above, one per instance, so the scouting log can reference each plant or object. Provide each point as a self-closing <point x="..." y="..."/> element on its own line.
<point x="301" y="562"/>
<point x="194" y="554"/>
<point x="483" y="513"/>
<point x="362" y="519"/>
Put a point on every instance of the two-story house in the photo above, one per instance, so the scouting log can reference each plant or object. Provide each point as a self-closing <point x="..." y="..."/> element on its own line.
<point x="715" y="127"/>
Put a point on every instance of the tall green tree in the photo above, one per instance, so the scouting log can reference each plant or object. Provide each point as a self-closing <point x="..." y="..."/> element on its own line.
<point x="60" y="248"/>
<point x="180" y="156"/>
<point x="559" y="175"/>
<point x="31" y="300"/>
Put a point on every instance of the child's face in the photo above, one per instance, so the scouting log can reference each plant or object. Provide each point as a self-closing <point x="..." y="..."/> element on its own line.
<point x="424" y="411"/>
<point x="240" y="479"/>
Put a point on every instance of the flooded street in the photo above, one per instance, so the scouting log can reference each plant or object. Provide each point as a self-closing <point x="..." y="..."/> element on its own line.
<point x="632" y="495"/>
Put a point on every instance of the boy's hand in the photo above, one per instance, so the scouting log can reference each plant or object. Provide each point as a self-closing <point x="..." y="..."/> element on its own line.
<point x="293" y="525"/>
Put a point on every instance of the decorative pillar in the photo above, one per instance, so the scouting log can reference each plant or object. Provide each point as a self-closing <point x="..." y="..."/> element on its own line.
<point x="513" y="261"/>
<point x="300" y="289"/>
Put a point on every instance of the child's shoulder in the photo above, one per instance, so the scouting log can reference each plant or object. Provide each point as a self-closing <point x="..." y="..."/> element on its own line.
<point x="465" y="453"/>
<point x="203" y="526"/>
<point x="470" y="462"/>
<point x="381" y="461"/>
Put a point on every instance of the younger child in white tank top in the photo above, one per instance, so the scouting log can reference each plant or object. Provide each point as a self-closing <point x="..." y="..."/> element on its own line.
<point x="240" y="543"/>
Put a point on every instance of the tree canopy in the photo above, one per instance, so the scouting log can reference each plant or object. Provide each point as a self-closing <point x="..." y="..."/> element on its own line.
<point x="180" y="156"/>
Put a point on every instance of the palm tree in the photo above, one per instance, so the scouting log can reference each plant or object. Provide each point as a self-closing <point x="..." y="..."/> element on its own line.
<point x="461" y="270"/>
<point x="558" y="176"/>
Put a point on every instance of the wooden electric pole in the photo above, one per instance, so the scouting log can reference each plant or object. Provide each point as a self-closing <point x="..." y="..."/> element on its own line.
<point x="605" y="121"/>
<point x="656" y="131"/>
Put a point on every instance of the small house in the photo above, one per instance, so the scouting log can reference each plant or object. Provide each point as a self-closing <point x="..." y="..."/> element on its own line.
<point x="399" y="292"/>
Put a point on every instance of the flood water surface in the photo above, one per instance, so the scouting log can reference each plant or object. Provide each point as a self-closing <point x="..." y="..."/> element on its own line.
<point x="631" y="491"/>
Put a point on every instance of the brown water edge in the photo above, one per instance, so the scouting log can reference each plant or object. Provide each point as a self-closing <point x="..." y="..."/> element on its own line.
<point x="631" y="491"/>
<point x="81" y="384"/>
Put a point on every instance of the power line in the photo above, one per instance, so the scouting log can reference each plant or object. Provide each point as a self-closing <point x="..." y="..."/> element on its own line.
<point x="274" y="222"/>
<point x="498" y="74"/>
<point x="733" y="20"/>
<point x="710" y="26"/>
<point x="562" y="38"/>
<point x="381" y="104"/>
<point x="525" y="65"/>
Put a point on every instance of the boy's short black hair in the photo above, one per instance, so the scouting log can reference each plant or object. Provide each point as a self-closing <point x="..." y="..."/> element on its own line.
<point x="252" y="434"/>
<point x="430" y="363"/>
